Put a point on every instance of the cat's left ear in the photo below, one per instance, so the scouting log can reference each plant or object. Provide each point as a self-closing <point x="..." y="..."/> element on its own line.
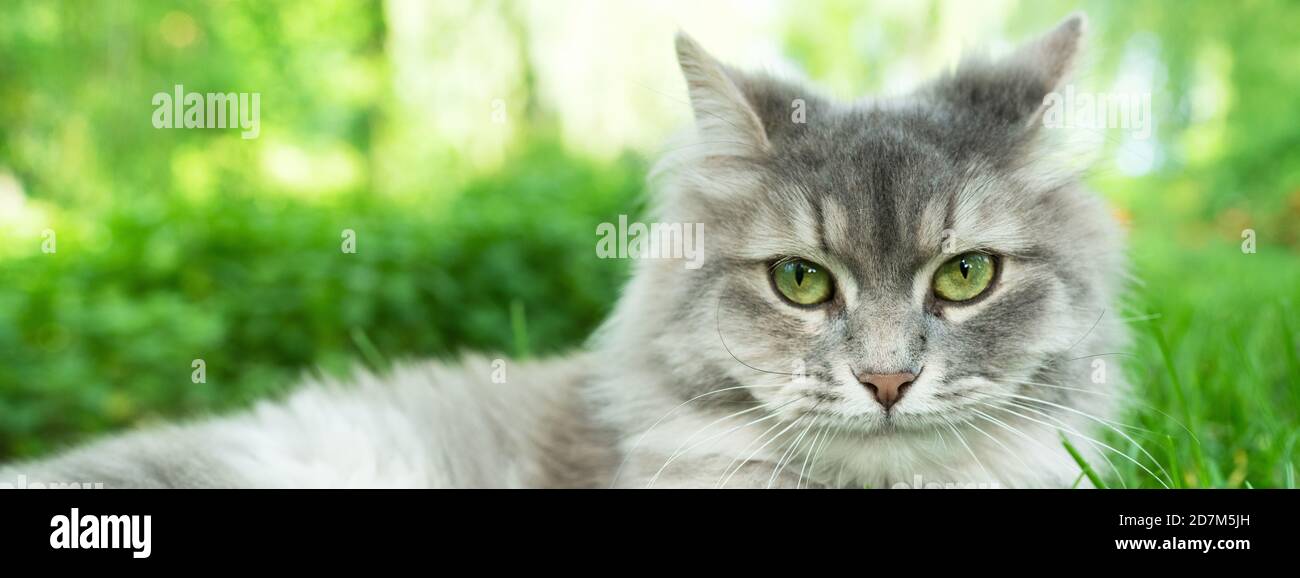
<point x="1012" y="89"/>
<point x="724" y="116"/>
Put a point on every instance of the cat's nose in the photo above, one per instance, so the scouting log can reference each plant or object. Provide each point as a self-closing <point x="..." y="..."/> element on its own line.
<point x="887" y="387"/>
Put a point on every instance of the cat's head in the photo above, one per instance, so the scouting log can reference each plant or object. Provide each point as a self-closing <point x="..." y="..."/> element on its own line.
<point x="888" y="264"/>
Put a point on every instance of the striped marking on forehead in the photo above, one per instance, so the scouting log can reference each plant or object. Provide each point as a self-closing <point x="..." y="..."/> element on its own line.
<point x="873" y="230"/>
<point x="838" y="225"/>
<point x="981" y="214"/>
<point x="789" y="225"/>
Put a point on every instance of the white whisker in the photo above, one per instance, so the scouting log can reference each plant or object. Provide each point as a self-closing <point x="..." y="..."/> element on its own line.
<point x="962" y="439"/>
<point x="1105" y="423"/>
<point x="1001" y="445"/>
<point x="677" y="453"/>
<point x="723" y="482"/>
<point x="780" y="466"/>
<point x="627" y="455"/>
<point x="817" y="451"/>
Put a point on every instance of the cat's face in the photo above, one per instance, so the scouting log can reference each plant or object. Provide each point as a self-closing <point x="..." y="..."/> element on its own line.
<point x="892" y="265"/>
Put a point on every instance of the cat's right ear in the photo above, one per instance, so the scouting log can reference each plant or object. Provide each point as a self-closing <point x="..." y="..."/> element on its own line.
<point x="724" y="118"/>
<point x="1012" y="89"/>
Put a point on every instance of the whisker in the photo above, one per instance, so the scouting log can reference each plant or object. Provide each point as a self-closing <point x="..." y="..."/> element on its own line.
<point x="1138" y="403"/>
<point x="808" y="455"/>
<point x="1103" y="422"/>
<point x="812" y="448"/>
<point x="751" y="443"/>
<point x="1001" y="445"/>
<point x="839" y="474"/>
<point x="834" y="430"/>
<point x="1063" y="387"/>
<point x="628" y="454"/>
<point x="928" y="455"/>
<point x="1008" y="427"/>
<point x="717" y="315"/>
<point x="1062" y="427"/>
<point x="1090" y="329"/>
<point x="738" y="467"/>
<point x="780" y="467"/>
<point x="679" y="452"/>
<point x="962" y="439"/>
<point x="943" y="440"/>
<point x="1100" y="355"/>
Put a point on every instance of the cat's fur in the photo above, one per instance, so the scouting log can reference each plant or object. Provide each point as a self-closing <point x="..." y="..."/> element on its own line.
<point x="689" y="382"/>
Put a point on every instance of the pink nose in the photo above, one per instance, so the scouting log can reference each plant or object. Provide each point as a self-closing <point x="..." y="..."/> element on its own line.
<point x="888" y="387"/>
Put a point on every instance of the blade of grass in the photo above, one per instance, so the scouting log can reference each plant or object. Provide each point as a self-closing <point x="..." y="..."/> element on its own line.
<point x="1083" y="464"/>
<point x="1291" y="355"/>
<point x="1168" y="360"/>
<point x="1175" y="467"/>
<point x="1204" y="474"/>
<point x="369" y="352"/>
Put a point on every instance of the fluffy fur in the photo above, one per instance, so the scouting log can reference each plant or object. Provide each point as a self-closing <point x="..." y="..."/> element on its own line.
<point x="707" y="377"/>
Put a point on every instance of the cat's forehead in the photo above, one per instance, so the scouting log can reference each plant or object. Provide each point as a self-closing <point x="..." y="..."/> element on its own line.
<point x="871" y="177"/>
<point x="882" y="189"/>
<point x="871" y="157"/>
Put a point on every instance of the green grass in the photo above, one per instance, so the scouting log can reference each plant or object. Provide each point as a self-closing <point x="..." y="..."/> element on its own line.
<point x="1084" y="466"/>
<point x="1216" y="382"/>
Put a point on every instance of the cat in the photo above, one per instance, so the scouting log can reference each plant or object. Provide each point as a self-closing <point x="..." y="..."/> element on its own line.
<point x="896" y="292"/>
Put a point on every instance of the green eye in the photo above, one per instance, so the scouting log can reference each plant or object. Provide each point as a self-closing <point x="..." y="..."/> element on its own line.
<point x="802" y="282"/>
<point x="964" y="277"/>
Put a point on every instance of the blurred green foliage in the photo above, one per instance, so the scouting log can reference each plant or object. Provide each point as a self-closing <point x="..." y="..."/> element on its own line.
<point x="175" y="245"/>
<point x="102" y="333"/>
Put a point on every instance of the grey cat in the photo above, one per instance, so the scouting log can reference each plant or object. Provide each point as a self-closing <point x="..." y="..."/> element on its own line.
<point x="897" y="293"/>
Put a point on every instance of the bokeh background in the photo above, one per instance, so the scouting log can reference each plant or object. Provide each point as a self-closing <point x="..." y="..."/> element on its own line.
<point x="476" y="232"/>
